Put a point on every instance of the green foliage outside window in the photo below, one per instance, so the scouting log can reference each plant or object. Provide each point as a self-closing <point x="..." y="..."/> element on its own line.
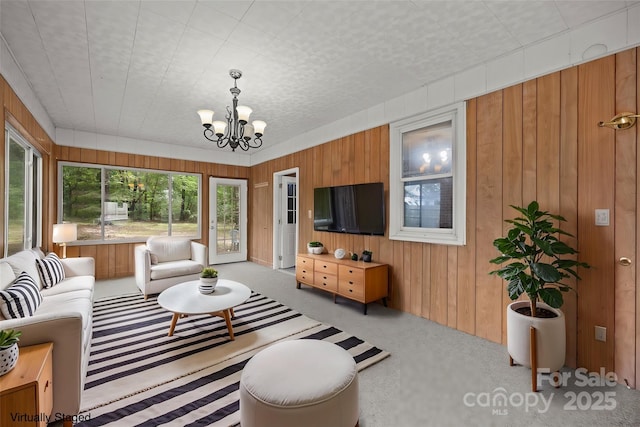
<point x="134" y="204"/>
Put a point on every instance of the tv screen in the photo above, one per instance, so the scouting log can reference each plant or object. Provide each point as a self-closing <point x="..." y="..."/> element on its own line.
<point x="354" y="209"/>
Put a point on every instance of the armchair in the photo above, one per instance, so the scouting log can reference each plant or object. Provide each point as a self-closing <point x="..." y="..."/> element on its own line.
<point x="166" y="261"/>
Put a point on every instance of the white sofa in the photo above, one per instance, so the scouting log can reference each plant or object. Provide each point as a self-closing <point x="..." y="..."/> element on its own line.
<point x="64" y="318"/>
<point x="166" y="261"/>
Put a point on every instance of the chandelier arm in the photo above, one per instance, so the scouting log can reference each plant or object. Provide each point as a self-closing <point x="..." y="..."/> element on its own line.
<point x="257" y="141"/>
<point x="210" y="131"/>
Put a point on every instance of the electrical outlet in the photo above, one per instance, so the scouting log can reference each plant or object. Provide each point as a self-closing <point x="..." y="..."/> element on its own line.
<point x="601" y="333"/>
<point x="602" y="217"/>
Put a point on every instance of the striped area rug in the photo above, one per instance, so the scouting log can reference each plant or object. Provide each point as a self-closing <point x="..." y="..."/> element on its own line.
<point x="139" y="376"/>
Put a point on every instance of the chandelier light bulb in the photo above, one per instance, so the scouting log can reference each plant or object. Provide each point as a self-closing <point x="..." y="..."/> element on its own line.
<point x="219" y="127"/>
<point x="248" y="132"/>
<point x="258" y="127"/>
<point x="243" y="113"/>
<point x="206" y="116"/>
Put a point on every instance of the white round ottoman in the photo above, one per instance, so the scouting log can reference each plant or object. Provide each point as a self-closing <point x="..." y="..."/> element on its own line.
<point x="300" y="383"/>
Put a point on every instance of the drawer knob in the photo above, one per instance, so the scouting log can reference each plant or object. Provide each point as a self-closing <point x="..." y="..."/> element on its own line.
<point x="350" y="282"/>
<point x="46" y="385"/>
<point x="350" y="271"/>
<point x="350" y="290"/>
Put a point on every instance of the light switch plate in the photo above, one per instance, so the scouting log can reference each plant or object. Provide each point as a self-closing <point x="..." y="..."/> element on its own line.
<point x="602" y="217"/>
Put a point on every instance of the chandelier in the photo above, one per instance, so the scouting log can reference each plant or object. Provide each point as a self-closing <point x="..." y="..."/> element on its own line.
<point x="236" y="131"/>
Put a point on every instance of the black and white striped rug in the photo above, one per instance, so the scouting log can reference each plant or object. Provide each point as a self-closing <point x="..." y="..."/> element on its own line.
<point x="139" y="376"/>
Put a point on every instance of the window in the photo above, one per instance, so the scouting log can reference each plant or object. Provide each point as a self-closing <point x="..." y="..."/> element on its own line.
<point x="23" y="203"/>
<point x="428" y="177"/>
<point x="119" y="204"/>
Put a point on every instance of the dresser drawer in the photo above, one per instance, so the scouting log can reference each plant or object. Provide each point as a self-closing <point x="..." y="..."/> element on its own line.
<point x="351" y="274"/>
<point x="302" y="261"/>
<point x="45" y="386"/>
<point x="351" y="289"/>
<point x="326" y="267"/>
<point x="304" y="275"/>
<point x="326" y="281"/>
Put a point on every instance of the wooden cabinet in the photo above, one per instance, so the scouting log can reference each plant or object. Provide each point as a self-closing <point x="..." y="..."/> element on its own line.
<point x="359" y="281"/>
<point x="26" y="392"/>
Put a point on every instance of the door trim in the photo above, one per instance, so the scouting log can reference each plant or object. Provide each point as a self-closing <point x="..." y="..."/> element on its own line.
<point x="277" y="230"/>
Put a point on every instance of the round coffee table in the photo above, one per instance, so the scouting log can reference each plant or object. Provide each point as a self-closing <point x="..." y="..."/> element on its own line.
<point x="185" y="299"/>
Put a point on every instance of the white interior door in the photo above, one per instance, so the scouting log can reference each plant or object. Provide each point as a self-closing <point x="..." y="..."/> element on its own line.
<point x="288" y="219"/>
<point x="227" y="220"/>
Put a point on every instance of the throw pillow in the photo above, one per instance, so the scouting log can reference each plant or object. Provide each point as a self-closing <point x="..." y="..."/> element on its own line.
<point x="21" y="299"/>
<point x="154" y="259"/>
<point x="51" y="270"/>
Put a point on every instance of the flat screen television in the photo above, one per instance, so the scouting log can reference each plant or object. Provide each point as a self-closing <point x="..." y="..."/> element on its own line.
<point x="352" y="209"/>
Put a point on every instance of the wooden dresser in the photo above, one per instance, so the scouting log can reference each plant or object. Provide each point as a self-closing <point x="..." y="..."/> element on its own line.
<point x="359" y="281"/>
<point x="26" y="392"/>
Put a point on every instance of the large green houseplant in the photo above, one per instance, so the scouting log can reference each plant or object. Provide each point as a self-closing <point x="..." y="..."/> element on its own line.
<point x="537" y="262"/>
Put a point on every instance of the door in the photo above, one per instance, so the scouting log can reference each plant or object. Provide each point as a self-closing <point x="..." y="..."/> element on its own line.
<point x="227" y="220"/>
<point x="288" y="219"/>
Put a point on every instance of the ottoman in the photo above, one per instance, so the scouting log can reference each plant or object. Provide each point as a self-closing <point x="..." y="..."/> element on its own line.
<point x="297" y="383"/>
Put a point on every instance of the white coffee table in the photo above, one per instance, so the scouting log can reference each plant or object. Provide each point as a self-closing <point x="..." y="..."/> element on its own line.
<point x="185" y="299"/>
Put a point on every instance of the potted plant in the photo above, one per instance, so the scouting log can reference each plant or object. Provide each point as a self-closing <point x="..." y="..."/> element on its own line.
<point x="366" y="256"/>
<point x="537" y="266"/>
<point x="315" y="248"/>
<point x="9" y="350"/>
<point x="208" y="280"/>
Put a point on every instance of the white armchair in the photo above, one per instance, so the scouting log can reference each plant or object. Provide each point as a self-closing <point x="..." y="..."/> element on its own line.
<point x="166" y="261"/>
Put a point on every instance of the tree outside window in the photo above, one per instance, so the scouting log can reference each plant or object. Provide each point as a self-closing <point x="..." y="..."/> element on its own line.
<point x="115" y="204"/>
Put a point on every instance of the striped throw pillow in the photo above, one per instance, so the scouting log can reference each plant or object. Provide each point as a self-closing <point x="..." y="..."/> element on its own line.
<point x="51" y="270"/>
<point x="21" y="299"/>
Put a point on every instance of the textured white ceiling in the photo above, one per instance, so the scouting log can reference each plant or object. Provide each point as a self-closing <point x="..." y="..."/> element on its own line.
<point x="141" y="69"/>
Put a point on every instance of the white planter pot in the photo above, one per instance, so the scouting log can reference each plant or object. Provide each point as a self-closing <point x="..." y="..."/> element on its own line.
<point x="8" y="358"/>
<point x="313" y="250"/>
<point x="207" y="285"/>
<point x="550" y="337"/>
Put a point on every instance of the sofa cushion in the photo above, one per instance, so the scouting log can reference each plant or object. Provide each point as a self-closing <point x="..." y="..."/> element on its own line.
<point x="76" y="301"/>
<point x="175" y="268"/>
<point x="169" y="248"/>
<point x="51" y="270"/>
<point x="70" y="284"/>
<point x="20" y="299"/>
<point x="25" y="261"/>
<point x="7" y="276"/>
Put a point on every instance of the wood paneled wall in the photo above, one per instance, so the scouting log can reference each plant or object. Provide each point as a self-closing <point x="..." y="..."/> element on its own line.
<point x="116" y="260"/>
<point x="16" y="113"/>
<point x="538" y="140"/>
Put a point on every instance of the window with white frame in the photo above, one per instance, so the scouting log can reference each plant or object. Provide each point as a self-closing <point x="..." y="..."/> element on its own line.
<point x="123" y="204"/>
<point x="23" y="201"/>
<point x="428" y="177"/>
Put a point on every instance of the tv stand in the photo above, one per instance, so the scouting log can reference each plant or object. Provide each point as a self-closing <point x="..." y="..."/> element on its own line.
<point x="364" y="282"/>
